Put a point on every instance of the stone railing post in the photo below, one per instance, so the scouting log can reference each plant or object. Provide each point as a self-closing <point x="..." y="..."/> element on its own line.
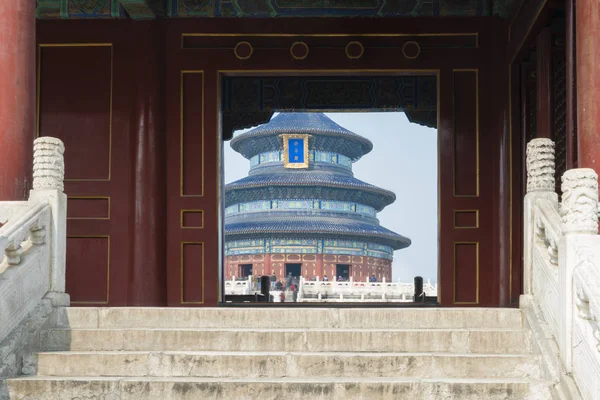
<point x="540" y="184"/>
<point x="48" y="177"/>
<point x="579" y="214"/>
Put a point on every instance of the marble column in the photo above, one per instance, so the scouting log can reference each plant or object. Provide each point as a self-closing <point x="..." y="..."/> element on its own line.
<point x="17" y="97"/>
<point x="588" y="84"/>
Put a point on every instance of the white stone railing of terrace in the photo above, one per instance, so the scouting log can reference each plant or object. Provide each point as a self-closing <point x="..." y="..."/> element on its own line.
<point x="333" y="291"/>
<point x="32" y="269"/>
<point x="359" y="291"/>
<point x="562" y="270"/>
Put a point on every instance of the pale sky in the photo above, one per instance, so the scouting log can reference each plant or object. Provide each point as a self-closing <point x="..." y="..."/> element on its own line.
<point x="403" y="160"/>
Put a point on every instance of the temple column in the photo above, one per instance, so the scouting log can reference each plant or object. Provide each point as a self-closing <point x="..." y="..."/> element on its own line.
<point x="17" y="97"/>
<point x="319" y="264"/>
<point x="268" y="270"/>
<point x="147" y="283"/>
<point x="588" y="84"/>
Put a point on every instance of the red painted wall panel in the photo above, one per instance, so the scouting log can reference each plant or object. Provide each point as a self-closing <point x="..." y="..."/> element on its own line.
<point x="77" y="109"/>
<point x="73" y="103"/>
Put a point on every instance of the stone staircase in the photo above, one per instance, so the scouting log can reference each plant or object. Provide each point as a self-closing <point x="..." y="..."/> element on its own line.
<point x="292" y="353"/>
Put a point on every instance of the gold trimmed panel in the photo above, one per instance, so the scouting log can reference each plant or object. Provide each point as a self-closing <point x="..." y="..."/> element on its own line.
<point x="476" y="273"/>
<point x="286" y="161"/>
<point x="182" y="215"/>
<point x="181" y="133"/>
<point x="474" y="211"/>
<point x="38" y="94"/>
<point x="107" y="267"/>
<point x="476" y="70"/>
<point x="181" y="276"/>
<point x="107" y="198"/>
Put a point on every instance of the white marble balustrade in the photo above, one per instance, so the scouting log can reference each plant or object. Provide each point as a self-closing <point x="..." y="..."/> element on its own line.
<point x="562" y="269"/>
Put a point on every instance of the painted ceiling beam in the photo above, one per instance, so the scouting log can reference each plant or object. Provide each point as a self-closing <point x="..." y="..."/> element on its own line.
<point x="72" y="9"/>
<point x="140" y="9"/>
<point x="49" y="9"/>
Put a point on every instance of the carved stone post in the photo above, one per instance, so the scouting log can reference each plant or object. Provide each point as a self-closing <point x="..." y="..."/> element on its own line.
<point x="579" y="214"/>
<point x="48" y="177"/>
<point x="579" y="206"/>
<point x="540" y="165"/>
<point x="48" y="164"/>
<point x="540" y="184"/>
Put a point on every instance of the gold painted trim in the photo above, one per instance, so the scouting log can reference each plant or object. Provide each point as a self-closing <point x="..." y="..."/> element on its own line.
<point x="510" y="185"/>
<point x="110" y="116"/>
<point x="91" y="198"/>
<point x="467" y="211"/>
<point x="286" y="162"/>
<point x="404" y="49"/>
<point x="242" y="43"/>
<point x="107" y="267"/>
<point x="354" y="42"/>
<point x="220" y="189"/>
<point x="181" y="272"/>
<point x="329" y="72"/>
<point x="439" y="189"/>
<point x="196" y="211"/>
<point x="476" y="274"/>
<point x="476" y="70"/>
<point x="342" y="35"/>
<point x="303" y="44"/>
<point x="181" y="119"/>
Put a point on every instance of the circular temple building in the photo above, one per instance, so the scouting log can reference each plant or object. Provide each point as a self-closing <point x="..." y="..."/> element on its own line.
<point x="300" y="210"/>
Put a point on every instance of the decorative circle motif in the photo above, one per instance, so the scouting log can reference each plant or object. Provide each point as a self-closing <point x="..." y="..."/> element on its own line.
<point x="411" y="50"/>
<point x="299" y="50"/>
<point x="243" y="50"/>
<point x="354" y="50"/>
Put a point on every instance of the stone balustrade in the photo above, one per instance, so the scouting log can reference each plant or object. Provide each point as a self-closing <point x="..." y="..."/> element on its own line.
<point x="562" y="270"/>
<point x="334" y="291"/>
<point x="32" y="271"/>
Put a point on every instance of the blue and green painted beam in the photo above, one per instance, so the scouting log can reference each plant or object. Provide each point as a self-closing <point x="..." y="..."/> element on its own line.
<point x="150" y="9"/>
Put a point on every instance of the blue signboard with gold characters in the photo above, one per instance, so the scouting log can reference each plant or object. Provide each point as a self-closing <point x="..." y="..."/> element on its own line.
<point x="295" y="151"/>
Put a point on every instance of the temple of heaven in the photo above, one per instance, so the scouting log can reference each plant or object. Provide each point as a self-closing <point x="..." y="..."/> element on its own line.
<point x="300" y="210"/>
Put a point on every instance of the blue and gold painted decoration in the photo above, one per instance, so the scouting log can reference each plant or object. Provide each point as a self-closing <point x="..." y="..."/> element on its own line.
<point x="144" y="9"/>
<point x="313" y="156"/>
<point x="296" y="204"/>
<point x="77" y="9"/>
<point x="295" y="151"/>
<point x="191" y="8"/>
<point x="308" y="246"/>
<point x="360" y="8"/>
<point x="92" y="9"/>
<point x="249" y="94"/>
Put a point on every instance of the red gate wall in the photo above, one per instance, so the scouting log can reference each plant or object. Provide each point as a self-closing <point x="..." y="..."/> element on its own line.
<point x="137" y="106"/>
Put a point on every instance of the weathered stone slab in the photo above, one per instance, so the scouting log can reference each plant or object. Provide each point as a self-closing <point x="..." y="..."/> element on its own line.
<point x="240" y="389"/>
<point x="281" y="364"/>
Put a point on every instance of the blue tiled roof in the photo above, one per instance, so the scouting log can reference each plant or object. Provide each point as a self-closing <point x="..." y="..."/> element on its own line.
<point x="301" y="178"/>
<point x="328" y="135"/>
<point x="322" y="226"/>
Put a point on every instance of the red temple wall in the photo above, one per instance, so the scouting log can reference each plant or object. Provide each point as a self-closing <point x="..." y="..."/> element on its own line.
<point x="313" y="265"/>
<point x="139" y="116"/>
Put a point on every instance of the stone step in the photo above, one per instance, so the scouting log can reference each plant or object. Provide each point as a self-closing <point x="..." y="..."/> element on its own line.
<point x="59" y="388"/>
<point x="345" y="318"/>
<point x="505" y="341"/>
<point x="282" y="364"/>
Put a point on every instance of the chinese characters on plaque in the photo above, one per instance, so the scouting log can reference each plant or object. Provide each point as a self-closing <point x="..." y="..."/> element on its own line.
<point x="295" y="151"/>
